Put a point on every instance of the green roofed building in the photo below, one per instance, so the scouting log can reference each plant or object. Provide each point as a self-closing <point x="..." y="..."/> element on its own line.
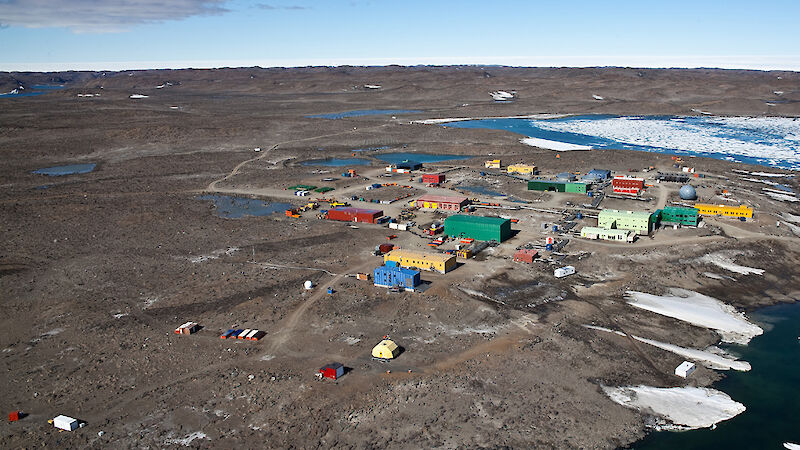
<point x="642" y="222"/>
<point x="679" y="214"/>
<point x="558" y="186"/>
<point x="478" y="227"/>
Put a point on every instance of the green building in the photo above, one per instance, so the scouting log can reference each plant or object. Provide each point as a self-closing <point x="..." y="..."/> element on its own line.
<point x="642" y="222"/>
<point x="558" y="186"/>
<point x="680" y="214"/>
<point x="478" y="227"/>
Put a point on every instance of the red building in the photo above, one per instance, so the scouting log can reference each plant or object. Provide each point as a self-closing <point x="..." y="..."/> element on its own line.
<point x="627" y="185"/>
<point x="525" y="255"/>
<point x="445" y="202"/>
<point x="347" y="214"/>
<point x="433" y="178"/>
<point x="332" y="370"/>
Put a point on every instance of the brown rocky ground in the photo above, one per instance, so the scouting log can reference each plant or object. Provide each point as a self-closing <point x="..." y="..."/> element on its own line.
<point x="98" y="269"/>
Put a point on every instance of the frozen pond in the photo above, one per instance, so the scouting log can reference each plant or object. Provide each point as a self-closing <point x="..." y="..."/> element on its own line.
<point x="336" y="162"/>
<point x="770" y="141"/>
<point x="57" y="171"/>
<point x="36" y="89"/>
<point x="237" y="207"/>
<point x="398" y="157"/>
<point x="364" y="112"/>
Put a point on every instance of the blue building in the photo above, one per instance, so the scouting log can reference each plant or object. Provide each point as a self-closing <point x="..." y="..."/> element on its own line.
<point x="389" y="276"/>
<point x="597" y="175"/>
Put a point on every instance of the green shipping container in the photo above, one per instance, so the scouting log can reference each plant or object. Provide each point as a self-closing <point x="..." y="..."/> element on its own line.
<point x="578" y="188"/>
<point x="478" y="227"/>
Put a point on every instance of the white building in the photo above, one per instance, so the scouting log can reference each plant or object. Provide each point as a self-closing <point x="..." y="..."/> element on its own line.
<point x="66" y="423"/>
<point x="561" y="272"/>
<point x="685" y="369"/>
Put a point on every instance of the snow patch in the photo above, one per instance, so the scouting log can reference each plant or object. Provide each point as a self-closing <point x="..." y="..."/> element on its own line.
<point x="372" y="86"/>
<point x="214" y="255"/>
<point x="716" y="359"/>
<point x="699" y="310"/>
<point x="682" y="407"/>
<point x="553" y="145"/>
<point x="781" y="197"/>
<point x="120" y="315"/>
<point x="188" y="439"/>
<point x="461" y="119"/>
<point x="725" y="262"/>
<point x="597" y="97"/>
<point x="136" y="96"/>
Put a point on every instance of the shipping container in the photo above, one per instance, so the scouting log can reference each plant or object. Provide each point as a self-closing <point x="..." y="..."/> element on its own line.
<point x="349" y="214"/>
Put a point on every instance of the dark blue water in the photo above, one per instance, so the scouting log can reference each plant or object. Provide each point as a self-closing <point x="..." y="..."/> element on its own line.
<point x="776" y="147"/>
<point x="770" y="391"/>
<point x="337" y="162"/>
<point x="364" y="112"/>
<point x="36" y="89"/>
<point x="58" y="171"/>
<point x="398" y="157"/>
<point x="237" y="207"/>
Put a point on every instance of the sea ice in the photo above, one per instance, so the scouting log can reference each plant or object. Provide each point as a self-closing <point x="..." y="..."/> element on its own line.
<point x="700" y="310"/>
<point x="684" y="407"/>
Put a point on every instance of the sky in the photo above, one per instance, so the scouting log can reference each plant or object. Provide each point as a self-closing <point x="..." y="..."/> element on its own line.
<point x="44" y="35"/>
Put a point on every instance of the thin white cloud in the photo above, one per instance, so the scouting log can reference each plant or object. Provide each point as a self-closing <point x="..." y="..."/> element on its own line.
<point x="101" y="16"/>
<point x="276" y="7"/>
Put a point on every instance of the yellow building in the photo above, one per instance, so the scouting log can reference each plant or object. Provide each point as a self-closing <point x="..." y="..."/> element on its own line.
<point x="386" y="349"/>
<point x="723" y="210"/>
<point x="492" y="164"/>
<point x="522" y="169"/>
<point x="438" y="262"/>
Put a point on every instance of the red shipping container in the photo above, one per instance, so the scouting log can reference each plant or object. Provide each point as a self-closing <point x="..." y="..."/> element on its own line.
<point x="13" y="416"/>
<point x="386" y="248"/>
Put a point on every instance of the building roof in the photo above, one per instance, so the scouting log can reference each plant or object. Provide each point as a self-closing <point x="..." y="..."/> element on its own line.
<point x="680" y="208"/>
<point x="333" y="366"/>
<point x="388" y="344"/>
<point x="442" y="199"/>
<point x="436" y="257"/>
<point x="402" y="270"/>
<point x="460" y="218"/>
<point x="618" y="213"/>
<point x="521" y="165"/>
<point x="526" y="251"/>
<point x="352" y="210"/>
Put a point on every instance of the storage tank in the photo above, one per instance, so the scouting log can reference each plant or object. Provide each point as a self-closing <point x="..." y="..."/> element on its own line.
<point x="308" y="284"/>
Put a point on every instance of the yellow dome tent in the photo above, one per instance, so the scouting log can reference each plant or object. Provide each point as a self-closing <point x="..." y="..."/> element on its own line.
<point x="386" y="349"/>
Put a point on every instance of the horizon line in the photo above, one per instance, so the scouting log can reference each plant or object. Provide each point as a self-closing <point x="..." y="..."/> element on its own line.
<point x="788" y="63"/>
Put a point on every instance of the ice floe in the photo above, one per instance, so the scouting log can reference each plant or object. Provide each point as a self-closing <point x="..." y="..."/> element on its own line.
<point x="726" y="262"/>
<point x="553" y="145"/>
<point x="791" y="446"/>
<point x="682" y="407"/>
<point x="700" y="310"/>
<point x="713" y="358"/>
<point x="776" y="136"/>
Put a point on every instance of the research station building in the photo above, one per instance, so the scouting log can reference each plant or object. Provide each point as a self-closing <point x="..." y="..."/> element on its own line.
<point x="641" y="222"/>
<point x="443" y="202"/>
<point x="478" y="227"/>
<point x="575" y="187"/>
<point x="438" y="262"/>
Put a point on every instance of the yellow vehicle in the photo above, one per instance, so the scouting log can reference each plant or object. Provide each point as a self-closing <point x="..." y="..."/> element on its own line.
<point x="334" y="204"/>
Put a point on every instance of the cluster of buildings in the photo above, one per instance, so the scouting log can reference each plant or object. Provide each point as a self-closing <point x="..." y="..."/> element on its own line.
<point x="512" y="169"/>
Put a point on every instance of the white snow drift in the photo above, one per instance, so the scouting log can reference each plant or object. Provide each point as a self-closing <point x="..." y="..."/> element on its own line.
<point x="683" y="407"/>
<point x="700" y="310"/>
<point x="716" y="359"/>
<point x="721" y="260"/>
<point x="553" y="145"/>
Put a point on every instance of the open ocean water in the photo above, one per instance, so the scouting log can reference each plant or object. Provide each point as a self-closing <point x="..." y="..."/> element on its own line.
<point x="768" y="141"/>
<point x="770" y="391"/>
